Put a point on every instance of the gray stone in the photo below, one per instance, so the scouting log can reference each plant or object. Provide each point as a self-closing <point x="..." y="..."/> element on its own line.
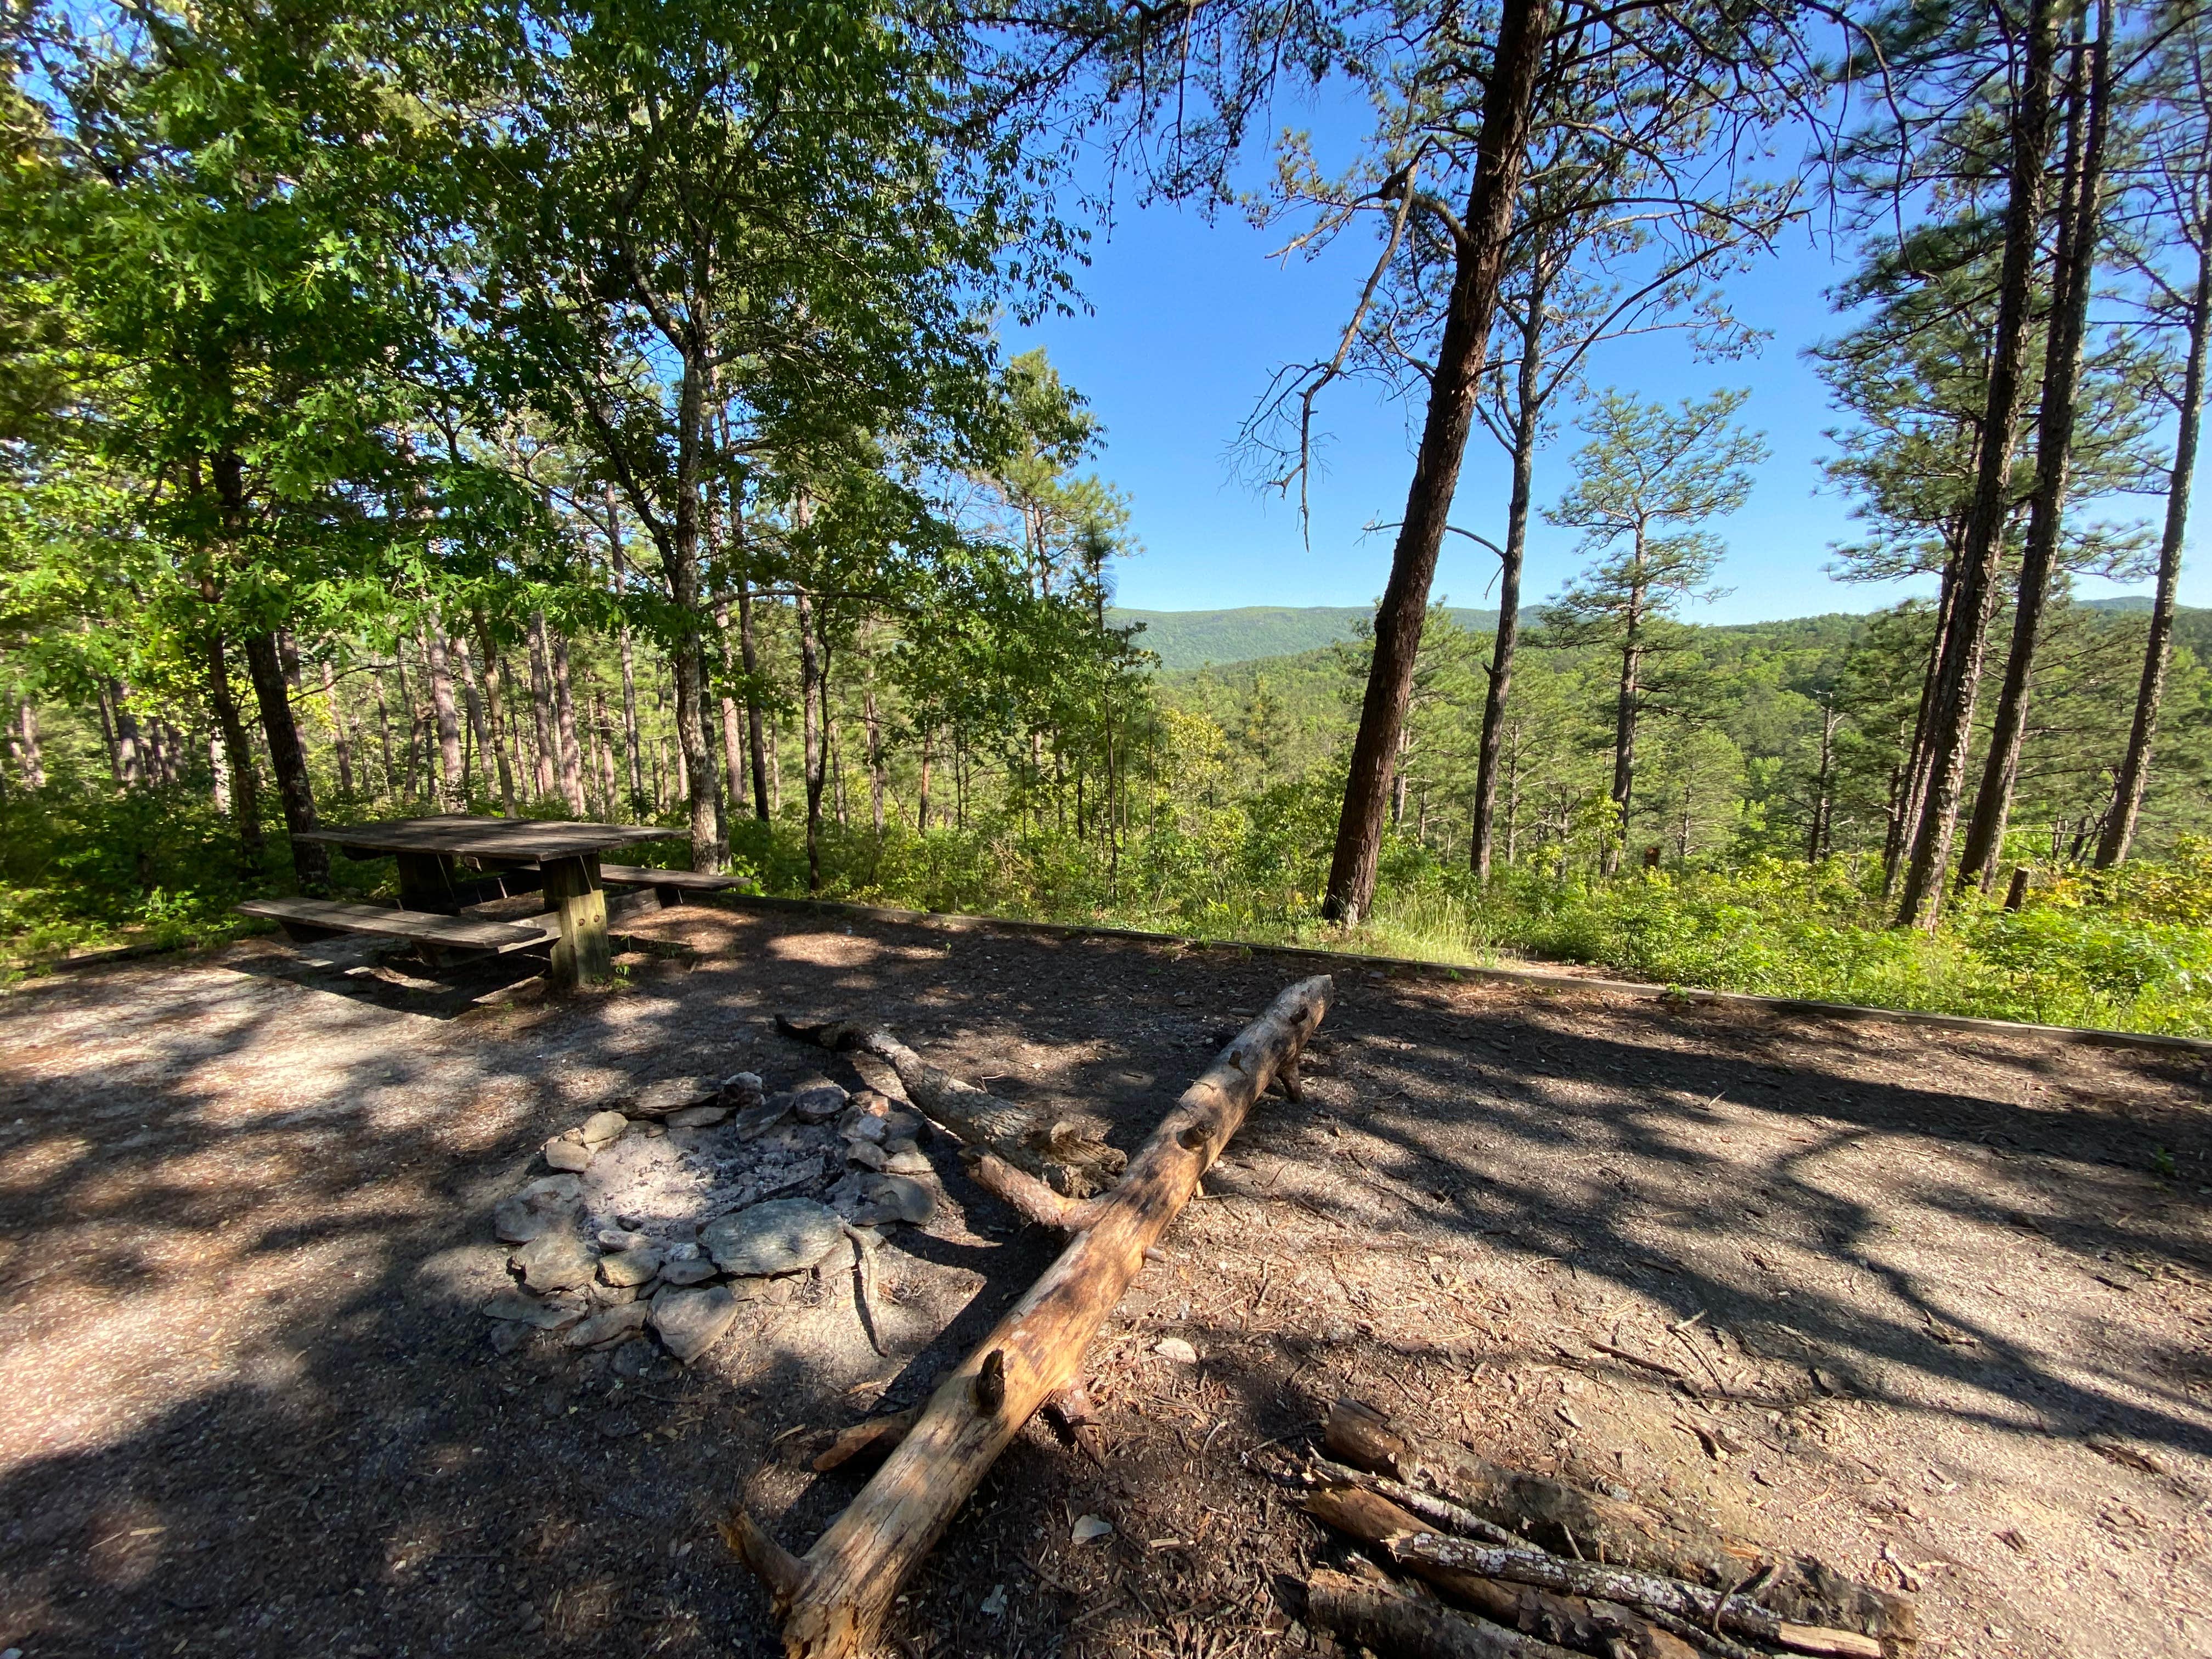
<point x="517" y="1307"/>
<point x="908" y="1160"/>
<point x="567" y="1152"/>
<point x="629" y="1266"/>
<point x="670" y="1094"/>
<point x="695" y="1270"/>
<point x="901" y="1126"/>
<point x="858" y="1125"/>
<point x="755" y="1121"/>
<point x="697" y="1117"/>
<point x="866" y="1154"/>
<point x="617" y="1238"/>
<point x="509" y="1336"/>
<point x="819" y="1102"/>
<point x="691" y="1321"/>
<point x="898" y="1198"/>
<point x="609" y="1325"/>
<point x="784" y="1235"/>
<point x="606" y="1295"/>
<point x="602" y="1128"/>
<point x="555" y="1261"/>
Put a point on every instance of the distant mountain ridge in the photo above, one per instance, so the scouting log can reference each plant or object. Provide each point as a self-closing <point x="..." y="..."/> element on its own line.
<point x="1200" y="639"/>
<point x="1203" y="639"/>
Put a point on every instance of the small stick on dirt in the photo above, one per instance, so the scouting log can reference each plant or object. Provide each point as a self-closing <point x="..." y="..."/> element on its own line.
<point x="1635" y="1589"/>
<point x="1659" y="1365"/>
<point x="1390" y="1620"/>
<point x="876" y="1434"/>
<point x="1438" y="1512"/>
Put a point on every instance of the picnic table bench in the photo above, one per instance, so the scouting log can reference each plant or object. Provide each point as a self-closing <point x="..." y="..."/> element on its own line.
<point x="448" y="863"/>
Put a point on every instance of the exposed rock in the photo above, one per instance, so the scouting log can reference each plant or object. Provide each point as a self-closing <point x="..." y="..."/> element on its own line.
<point x="607" y="1295"/>
<point x="902" y="1126"/>
<point x="670" y="1094"/>
<point x="547" y="1200"/>
<point x="555" y="1261"/>
<point x="695" y="1270"/>
<point x="616" y="1238"/>
<point x="601" y="1127"/>
<point x="1174" y="1348"/>
<point x="697" y="1117"/>
<point x="509" y="1336"/>
<point x="857" y="1125"/>
<point x="691" y="1321"/>
<point x="907" y="1159"/>
<point x="629" y="1266"/>
<point x="567" y="1152"/>
<point x="818" y="1101"/>
<point x="784" y="1235"/>
<point x="609" y="1325"/>
<point x="756" y="1121"/>
<point x="897" y="1198"/>
<point x="741" y="1089"/>
<point x="517" y="1307"/>
<point x="867" y="1154"/>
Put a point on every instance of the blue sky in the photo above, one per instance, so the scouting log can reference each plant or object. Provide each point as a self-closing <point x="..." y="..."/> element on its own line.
<point x="1188" y="320"/>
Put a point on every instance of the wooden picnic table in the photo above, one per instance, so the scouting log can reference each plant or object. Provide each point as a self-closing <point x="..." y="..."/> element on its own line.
<point x="507" y="856"/>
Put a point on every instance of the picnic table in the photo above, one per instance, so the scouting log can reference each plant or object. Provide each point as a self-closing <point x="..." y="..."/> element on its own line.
<point x="450" y="863"/>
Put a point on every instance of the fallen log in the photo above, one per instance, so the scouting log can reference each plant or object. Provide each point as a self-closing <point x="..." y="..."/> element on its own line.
<point x="1568" y="1519"/>
<point x="1387" y="1620"/>
<point x="1565" y="1620"/>
<point x="1706" y="1608"/>
<point x="832" y="1601"/>
<point x="1068" y="1154"/>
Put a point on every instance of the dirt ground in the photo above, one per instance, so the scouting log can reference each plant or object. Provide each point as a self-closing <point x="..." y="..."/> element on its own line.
<point x="1929" y="1305"/>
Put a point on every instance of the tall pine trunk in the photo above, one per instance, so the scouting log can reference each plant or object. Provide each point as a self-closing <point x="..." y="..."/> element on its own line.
<point x="564" y="726"/>
<point x="1527" y="422"/>
<point x="341" y="730"/>
<point x="2073" y="265"/>
<point x="814" y="745"/>
<point x="680" y="557"/>
<point x="2134" y="769"/>
<point x="1912" y="788"/>
<point x="734" y="746"/>
<point x="446" y="712"/>
<point x="1951" y="714"/>
<point x="30" y="756"/>
<point x="495" y="720"/>
<point x="1501" y="159"/>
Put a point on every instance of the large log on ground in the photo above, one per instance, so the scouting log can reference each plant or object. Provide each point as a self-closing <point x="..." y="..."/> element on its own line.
<point x="1067" y="1152"/>
<point x="832" y="1601"/>
<point x="1573" y="1520"/>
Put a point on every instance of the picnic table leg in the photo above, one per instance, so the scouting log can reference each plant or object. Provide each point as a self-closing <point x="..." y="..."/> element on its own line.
<point x="426" y="883"/>
<point x="580" y="955"/>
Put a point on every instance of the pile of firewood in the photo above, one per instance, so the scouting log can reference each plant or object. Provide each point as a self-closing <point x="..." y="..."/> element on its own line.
<point x="1493" y="1563"/>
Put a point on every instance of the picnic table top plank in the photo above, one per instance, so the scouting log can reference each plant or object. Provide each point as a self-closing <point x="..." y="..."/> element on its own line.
<point x="469" y="933"/>
<point x="526" y="839"/>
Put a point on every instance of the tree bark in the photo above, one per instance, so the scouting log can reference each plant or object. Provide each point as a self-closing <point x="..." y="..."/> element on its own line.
<point x="1387" y="1620"/>
<point x="238" y="755"/>
<point x="564" y="725"/>
<point x="30" y="757"/>
<point x="1904" y="823"/>
<point x="1527" y="422"/>
<point x="452" y="792"/>
<point x="311" y="860"/>
<point x="2134" y="769"/>
<point x="1501" y="159"/>
<point x="703" y="785"/>
<point x="749" y="654"/>
<point x="494" y="688"/>
<point x="813" y="740"/>
<point x="1958" y="672"/>
<point x="545" y="762"/>
<point x="833" y="1602"/>
<point x="2075" y="263"/>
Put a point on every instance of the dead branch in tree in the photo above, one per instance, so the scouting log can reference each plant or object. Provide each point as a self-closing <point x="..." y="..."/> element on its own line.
<point x="832" y="1602"/>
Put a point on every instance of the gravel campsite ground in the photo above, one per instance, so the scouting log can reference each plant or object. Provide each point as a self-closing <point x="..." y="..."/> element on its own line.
<point x="1931" y="1305"/>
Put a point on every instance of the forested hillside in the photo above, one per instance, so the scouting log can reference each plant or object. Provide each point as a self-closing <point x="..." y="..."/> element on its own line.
<point x="1195" y="639"/>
